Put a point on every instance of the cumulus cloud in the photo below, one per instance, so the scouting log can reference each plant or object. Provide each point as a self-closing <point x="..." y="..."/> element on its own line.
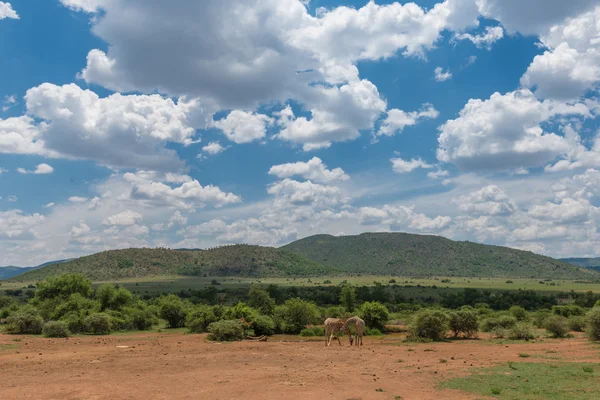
<point x="401" y="166"/>
<point x="290" y="192"/>
<point x="505" y="132"/>
<point x="441" y="75"/>
<point x="244" y="127"/>
<point x="491" y="36"/>
<point x="126" y="218"/>
<point x="489" y="200"/>
<point x="15" y="224"/>
<point x="78" y="199"/>
<point x="314" y="169"/>
<point x="6" y="11"/>
<point x="21" y="136"/>
<point x="213" y="148"/>
<point x="41" y="169"/>
<point x="402" y="217"/>
<point x="397" y="120"/>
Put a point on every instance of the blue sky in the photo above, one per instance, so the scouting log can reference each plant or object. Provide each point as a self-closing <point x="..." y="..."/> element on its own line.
<point x="131" y="123"/>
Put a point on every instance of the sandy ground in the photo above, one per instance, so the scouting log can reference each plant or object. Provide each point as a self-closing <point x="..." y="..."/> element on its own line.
<point x="179" y="366"/>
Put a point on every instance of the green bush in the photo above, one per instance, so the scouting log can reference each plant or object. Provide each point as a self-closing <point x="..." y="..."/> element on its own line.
<point x="56" y="329"/>
<point x="520" y="332"/>
<point x="119" y="321"/>
<point x="503" y="322"/>
<point x="141" y="317"/>
<point x="577" y="323"/>
<point x="373" y="332"/>
<point x="98" y="324"/>
<point x="75" y="322"/>
<point x="62" y="287"/>
<point x="519" y="313"/>
<point x="240" y="310"/>
<point x="295" y="314"/>
<point x="6" y="301"/>
<point x="334" y="312"/>
<point x="200" y="318"/>
<point x="263" y="325"/>
<point x="568" y="310"/>
<point x="261" y="300"/>
<point x="430" y="324"/>
<point x="464" y="321"/>
<point x="348" y="298"/>
<point x="113" y="298"/>
<point x="593" y="327"/>
<point x="25" y="321"/>
<point x="557" y="326"/>
<point x="375" y="315"/>
<point x="315" y="331"/>
<point x="597" y="304"/>
<point x="540" y="316"/>
<point x="173" y="310"/>
<point x="226" y="331"/>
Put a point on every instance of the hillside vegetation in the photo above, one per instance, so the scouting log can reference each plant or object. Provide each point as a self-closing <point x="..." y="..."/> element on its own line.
<point x="590" y="263"/>
<point x="404" y="254"/>
<point x="237" y="260"/>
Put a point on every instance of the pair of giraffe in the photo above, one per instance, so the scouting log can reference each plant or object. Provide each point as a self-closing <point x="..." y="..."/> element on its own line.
<point x="335" y="326"/>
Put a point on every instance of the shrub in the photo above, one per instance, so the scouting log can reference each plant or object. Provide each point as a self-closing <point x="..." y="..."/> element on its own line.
<point x="25" y="321"/>
<point x="430" y="324"/>
<point x="315" y="331"/>
<point x="568" y="310"/>
<point x="263" y="325"/>
<point x="6" y="301"/>
<point x="63" y="286"/>
<point x="348" y="298"/>
<point x="375" y="315"/>
<point x="577" y="324"/>
<point x="113" y="298"/>
<point x="56" y="329"/>
<point x="503" y="322"/>
<point x="519" y="313"/>
<point x="141" y="317"/>
<point x="226" y="331"/>
<point x="593" y="328"/>
<point x="540" y="316"/>
<point x="373" y="332"/>
<point x="295" y="314"/>
<point x="597" y="304"/>
<point x="173" y="310"/>
<point x="520" y="332"/>
<point x="200" y="318"/>
<point x="557" y="326"/>
<point x="75" y="322"/>
<point x="464" y="321"/>
<point x="240" y="310"/>
<point x="261" y="300"/>
<point x="334" y="312"/>
<point x="98" y="324"/>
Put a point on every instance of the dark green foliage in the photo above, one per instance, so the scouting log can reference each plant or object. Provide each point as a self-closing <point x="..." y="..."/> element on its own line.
<point x="568" y="310"/>
<point x="113" y="298"/>
<point x="374" y="314"/>
<point x="557" y="326"/>
<point x="263" y="325"/>
<point x="464" y="321"/>
<point x="540" y="316"/>
<point x="226" y="331"/>
<point x="200" y="317"/>
<point x="403" y="254"/>
<point x="172" y="310"/>
<point x="519" y="313"/>
<point x="577" y="323"/>
<point x="502" y="322"/>
<point x="56" y="329"/>
<point x="373" y="332"/>
<point x="295" y="314"/>
<point x="593" y="328"/>
<point x="98" y="324"/>
<point x="334" y="312"/>
<point x="25" y="321"/>
<point x="62" y="287"/>
<point x="75" y="322"/>
<point x="430" y="324"/>
<point x="310" y="332"/>
<point x="348" y="298"/>
<point x="502" y="300"/>
<point x="6" y="301"/>
<point x="520" y="332"/>
<point x="240" y="310"/>
<point x="261" y="300"/>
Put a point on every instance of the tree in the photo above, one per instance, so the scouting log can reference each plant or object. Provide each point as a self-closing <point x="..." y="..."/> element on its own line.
<point x="348" y="298"/>
<point x="62" y="287"/>
<point x="430" y="324"/>
<point x="295" y="314"/>
<point x="113" y="298"/>
<point x="464" y="321"/>
<point x="261" y="300"/>
<point x="375" y="315"/>
<point x="173" y="310"/>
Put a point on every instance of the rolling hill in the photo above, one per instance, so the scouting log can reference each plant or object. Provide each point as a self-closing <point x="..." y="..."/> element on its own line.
<point x="403" y="254"/>
<point x="236" y="260"/>
<point x="11" y="272"/>
<point x="397" y="254"/>
<point x="590" y="263"/>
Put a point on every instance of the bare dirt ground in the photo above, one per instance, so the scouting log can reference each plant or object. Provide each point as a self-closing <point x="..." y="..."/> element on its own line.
<point x="179" y="366"/>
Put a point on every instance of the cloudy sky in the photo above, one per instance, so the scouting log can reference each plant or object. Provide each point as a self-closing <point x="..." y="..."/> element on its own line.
<point x="183" y="123"/>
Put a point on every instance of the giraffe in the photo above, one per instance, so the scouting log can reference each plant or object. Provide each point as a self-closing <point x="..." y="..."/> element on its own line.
<point x="332" y="327"/>
<point x="359" y="325"/>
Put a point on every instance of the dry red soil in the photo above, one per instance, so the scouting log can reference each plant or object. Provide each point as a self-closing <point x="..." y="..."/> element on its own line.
<point x="178" y="366"/>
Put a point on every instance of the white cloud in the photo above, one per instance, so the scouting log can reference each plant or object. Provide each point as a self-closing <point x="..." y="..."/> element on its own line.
<point x="397" y="120"/>
<point x="49" y="205"/>
<point x="41" y="169"/>
<point x="244" y="127"/>
<point x="78" y="199"/>
<point x="567" y="211"/>
<point x="177" y="219"/>
<point x="401" y="166"/>
<point x="9" y="102"/>
<point x="14" y="224"/>
<point x="489" y="200"/>
<point x="504" y="132"/>
<point x="213" y="148"/>
<point x="441" y="75"/>
<point x="491" y="36"/>
<point x="293" y="193"/>
<point x="20" y="136"/>
<point x="314" y="169"/>
<point x="6" y="11"/>
<point x="401" y="218"/>
<point x="126" y="218"/>
<point x="438" y="174"/>
<point x="12" y="199"/>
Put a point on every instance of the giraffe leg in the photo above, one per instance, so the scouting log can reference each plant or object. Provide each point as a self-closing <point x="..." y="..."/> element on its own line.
<point x="326" y="335"/>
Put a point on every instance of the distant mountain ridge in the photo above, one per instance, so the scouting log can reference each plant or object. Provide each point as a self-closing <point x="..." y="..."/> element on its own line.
<point x="12" y="271"/>
<point x="592" y="263"/>
<point x="391" y="254"/>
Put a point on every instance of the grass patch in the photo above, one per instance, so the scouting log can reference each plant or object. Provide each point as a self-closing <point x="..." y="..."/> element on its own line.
<point x="531" y="381"/>
<point x="524" y="355"/>
<point x="8" y="347"/>
<point x="379" y="390"/>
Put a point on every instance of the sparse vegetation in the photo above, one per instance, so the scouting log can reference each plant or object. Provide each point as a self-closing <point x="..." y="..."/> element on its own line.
<point x="430" y="324"/>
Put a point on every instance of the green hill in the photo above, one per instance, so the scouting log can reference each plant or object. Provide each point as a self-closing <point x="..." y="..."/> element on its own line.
<point x="403" y="254"/>
<point x="590" y="263"/>
<point x="237" y="260"/>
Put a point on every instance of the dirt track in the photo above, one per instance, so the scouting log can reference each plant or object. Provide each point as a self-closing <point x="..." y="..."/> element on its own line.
<point x="178" y="366"/>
